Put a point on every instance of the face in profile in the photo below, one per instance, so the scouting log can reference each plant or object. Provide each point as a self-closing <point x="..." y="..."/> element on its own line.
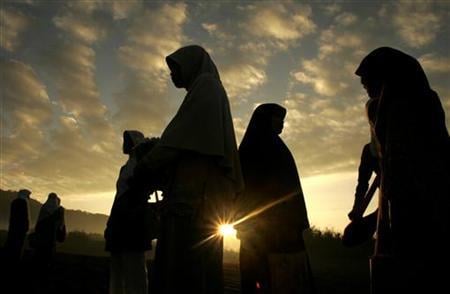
<point x="277" y="124"/>
<point x="373" y="86"/>
<point x="127" y="145"/>
<point x="175" y="74"/>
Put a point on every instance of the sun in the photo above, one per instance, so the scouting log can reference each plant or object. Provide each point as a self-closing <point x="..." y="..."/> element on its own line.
<point x="227" y="230"/>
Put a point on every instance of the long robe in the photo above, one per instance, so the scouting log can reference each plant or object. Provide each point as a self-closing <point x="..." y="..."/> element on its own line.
<point x="270" y="174"/>
<point x="415" y="179"/>
<point x="199" y="148"/>
<point x="18" y="228"/>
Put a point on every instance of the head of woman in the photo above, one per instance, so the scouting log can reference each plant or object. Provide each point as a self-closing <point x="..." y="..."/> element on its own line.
<point x="188" y="63"/>
<point x="389" y="68"/>
<point x="267" y="121"/>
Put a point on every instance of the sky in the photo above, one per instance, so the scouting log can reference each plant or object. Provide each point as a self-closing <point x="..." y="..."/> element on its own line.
<point x="75" y="74"/>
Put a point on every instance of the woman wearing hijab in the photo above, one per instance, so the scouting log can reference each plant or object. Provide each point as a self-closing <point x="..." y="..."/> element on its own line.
<point x="272" y="254"/>
<point x="199" y="148"/>
<point x="50" y="228"/>
<point x="411" y="134"/>
<point x="19" y="220"/>
<point x="126" y="233"/>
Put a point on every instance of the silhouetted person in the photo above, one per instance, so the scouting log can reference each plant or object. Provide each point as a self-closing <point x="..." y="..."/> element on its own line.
<point x="19" y="222"/>
<point x="199" y="148"/>
<point x="125" y="235"/>
<point x="369" y="164"/>
<point x="50" y="228"/>
<point x="411" y="133"/>
<point x="272" y="254"/>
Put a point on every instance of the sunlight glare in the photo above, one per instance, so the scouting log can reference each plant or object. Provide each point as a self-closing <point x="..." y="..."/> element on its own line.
<point x="227" y="230"/>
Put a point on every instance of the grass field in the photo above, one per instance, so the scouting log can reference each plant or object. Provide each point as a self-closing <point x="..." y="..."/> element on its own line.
<point x="81" y="266"/>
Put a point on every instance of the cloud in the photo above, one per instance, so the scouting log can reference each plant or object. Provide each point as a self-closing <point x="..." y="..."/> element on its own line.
<point x="81" y="26"/>
<point x="435" y="64"/>
<point x="325" y="137"/>
<point x="243" y="57"/>
<point x="327" y="77"/>
<point x="283" y="24"/>
<point x="151" y="37"/>
<point x="346" y="19"/>
<point x="72" y="68"/>
<point x="26" y="110"/>
<point x="12" y="24"/>
<point x="242" y="79"/>
<point x="340" y="49"/>
<point x="123" y="9"/>
<point x="332" y="9"/>
<point x="334" y="40"/>
<point x="210" y="27"/>
<point x="416" y="22"/>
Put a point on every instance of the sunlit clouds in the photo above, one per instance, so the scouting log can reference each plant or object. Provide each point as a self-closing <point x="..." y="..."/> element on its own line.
<point x="418" y="23"/>
<point x="12" y="23"/>
<point x="75" y="74"/>
<point x="142" y="102"/>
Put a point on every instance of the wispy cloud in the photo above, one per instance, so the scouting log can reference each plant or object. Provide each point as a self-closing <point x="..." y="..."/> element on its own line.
<point x="416" y="22"/>
<point x="12" y="24"/>
<point x="435" y="64"/>
<point x="151" y="37"/>
<point x="283" y="24"/>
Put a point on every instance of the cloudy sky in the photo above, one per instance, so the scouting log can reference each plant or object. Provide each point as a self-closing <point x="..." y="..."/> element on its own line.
<point x="75" y="74"/>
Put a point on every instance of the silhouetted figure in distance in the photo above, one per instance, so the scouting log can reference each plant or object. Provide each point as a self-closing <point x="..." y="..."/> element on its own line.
<point x="198" y="147"/>
<point x="125" y="235"/>
<point x="19" y="222"/>
<point x="272" y="254"/>
<point x="50" y="228"/>
<point x="412" y="137"/>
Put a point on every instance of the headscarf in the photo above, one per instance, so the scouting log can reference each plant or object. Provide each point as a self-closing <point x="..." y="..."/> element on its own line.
<point x="270" y="173"/>
<point x="50" y="206"/>
<point x="126" y="172"/>
<point x="394" y="68"/>
<point x="24" y="194"/>
<point x="134" y="136"/>
<point x="259" y="127"/>
<point x="404" y="84"/>
<point x="203" y="123"/>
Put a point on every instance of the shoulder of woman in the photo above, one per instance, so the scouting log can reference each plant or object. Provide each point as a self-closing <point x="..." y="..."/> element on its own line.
<point x="207" y="79"/>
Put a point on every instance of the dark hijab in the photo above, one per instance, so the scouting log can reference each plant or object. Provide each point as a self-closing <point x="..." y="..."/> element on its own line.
<point x="270" y="173"/>
<point x="405" y="93"/>
<point x="412" y="135"/>
<point x="203" y="123"/>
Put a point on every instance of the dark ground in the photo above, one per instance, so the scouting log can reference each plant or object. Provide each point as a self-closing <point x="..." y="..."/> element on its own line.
<point x="336" y="269"/>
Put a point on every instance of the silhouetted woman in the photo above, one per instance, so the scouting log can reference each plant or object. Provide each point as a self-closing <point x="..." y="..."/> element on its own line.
<point x="199" y="148"/>
<point x="125" y="235"/>
<point x="412" y="136"/>
<point x="275" y="236"/>
<point x="19" y="220"/>
<point x="50" y="228"/>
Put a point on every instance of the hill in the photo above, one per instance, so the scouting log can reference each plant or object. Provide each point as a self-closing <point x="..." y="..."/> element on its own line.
<point x="76" y="220"/>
